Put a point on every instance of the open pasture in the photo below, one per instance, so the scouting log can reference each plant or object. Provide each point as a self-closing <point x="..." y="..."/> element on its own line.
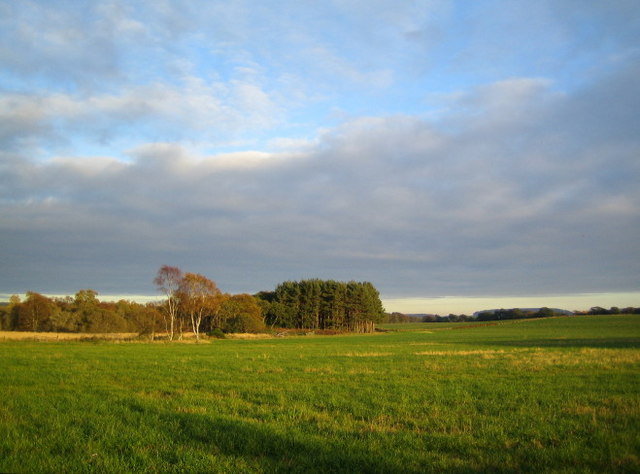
<point x="558" y="394"/>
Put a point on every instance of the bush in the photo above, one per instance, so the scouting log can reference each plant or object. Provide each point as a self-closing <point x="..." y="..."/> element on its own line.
<point x="245" y="323"/>
<point x="241" y="313"/>
<point x="217" y="333"/>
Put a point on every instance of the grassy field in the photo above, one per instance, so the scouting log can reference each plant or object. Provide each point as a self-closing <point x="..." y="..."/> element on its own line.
<point x="559" y="394"/>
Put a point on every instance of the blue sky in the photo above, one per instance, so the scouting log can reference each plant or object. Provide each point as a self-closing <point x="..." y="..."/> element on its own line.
<point x="435" y="148"/>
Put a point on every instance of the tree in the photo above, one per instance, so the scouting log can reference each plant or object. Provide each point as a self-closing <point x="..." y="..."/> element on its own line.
<point x="288" y="293"/>
<point x="168" y="282"/>
<point x="277" y="314"/>
<point x="309" y="312"/>
<point x="90" y="315"/>
<point x="333" y="301"/>
<point x="242" y="313"/>
<point x="65" y="321"/>
<point x="144" y="319"/>
<point x="397" y="317"/>
<point x="10" y="313"/>
<point x="544" y="312"/>
<point x="34" y="313"/>
<point x="198" y="296"/>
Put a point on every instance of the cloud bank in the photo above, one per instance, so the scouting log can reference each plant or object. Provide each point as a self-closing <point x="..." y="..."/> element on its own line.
<point x="134" y="135"/>
<point x="530" y="195"/>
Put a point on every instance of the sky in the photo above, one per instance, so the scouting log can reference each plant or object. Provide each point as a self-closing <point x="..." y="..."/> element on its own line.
<point x="443" y="150"/>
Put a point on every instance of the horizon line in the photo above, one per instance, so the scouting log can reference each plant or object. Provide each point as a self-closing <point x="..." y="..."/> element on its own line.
<point x="443" y="304"/>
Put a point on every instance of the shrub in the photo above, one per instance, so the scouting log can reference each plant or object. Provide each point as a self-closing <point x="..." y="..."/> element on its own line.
<point x="244" y="322"/>
<point x="217" y="333"/>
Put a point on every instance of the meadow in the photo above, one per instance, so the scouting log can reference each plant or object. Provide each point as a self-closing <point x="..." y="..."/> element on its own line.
<point x="544" y="395"/>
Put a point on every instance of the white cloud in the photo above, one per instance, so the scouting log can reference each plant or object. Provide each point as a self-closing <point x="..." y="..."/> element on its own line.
<point x="189" y="111"/>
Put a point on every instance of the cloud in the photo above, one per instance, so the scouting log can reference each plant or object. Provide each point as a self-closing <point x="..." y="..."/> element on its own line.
<point x="192" y="110"/>
<point x="41" y="42"/>
<point x="508" y="198"/>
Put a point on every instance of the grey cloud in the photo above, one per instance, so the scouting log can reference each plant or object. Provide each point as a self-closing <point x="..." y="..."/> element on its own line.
<point x="41" y="41"/>
<point x="510" y="197"/>
<point x="94" y="48"/>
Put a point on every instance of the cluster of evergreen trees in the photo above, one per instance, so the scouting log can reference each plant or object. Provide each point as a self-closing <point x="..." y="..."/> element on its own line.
<point x="323" y="304"/>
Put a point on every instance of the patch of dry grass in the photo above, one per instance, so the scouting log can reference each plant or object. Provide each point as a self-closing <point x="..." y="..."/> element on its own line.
<point x="602" y="358"/>
<point x="428" y="344"/>
<point x="365" y="354"/>
<point x="462" y="353"/>
<point x="319" y="370"/>
<point x="62" y="336"/>
<point x="186" y="338"/>
<point x="361" y="371"/>
<point x="246" y="335"/>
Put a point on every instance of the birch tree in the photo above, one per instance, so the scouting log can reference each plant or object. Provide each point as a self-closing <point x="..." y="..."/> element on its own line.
<point x="198" y="297"/>
<point x="168" y="282"/>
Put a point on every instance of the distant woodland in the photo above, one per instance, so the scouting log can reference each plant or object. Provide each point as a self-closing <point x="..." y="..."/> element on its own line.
<point x="504" y="314"/>
<point x="193" y="303"/>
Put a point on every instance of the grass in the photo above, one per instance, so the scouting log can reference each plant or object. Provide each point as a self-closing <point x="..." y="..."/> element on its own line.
<point x="558" y="394"/>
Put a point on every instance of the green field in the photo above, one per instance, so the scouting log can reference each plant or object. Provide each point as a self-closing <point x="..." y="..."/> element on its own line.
<point x="558" y="394"/>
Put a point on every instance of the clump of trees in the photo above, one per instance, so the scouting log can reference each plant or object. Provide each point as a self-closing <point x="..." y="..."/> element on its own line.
<point x="323" y="304"/>
<point x="195" y="301"/>
<point x="82" y="313"/>
<point x="397" y="317"/>
<point x="451" y="318"/>
<point x="425" y="318"/>
<point x="307" y="304"/>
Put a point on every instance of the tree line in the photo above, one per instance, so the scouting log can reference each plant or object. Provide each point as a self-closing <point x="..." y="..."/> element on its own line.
<point x="545" y="312"/>
<point x="194" y="303"/>
<point x="501" y="314"/>
<point x="397" y="317"/>
<point x="611" y="310"/>
<point x="515" y="313"/>
<point x="81" y="313"/>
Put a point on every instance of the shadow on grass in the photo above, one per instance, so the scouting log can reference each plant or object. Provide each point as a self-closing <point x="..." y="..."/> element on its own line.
<point x="599" y="343"/>
<point x="271" y="451"/>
